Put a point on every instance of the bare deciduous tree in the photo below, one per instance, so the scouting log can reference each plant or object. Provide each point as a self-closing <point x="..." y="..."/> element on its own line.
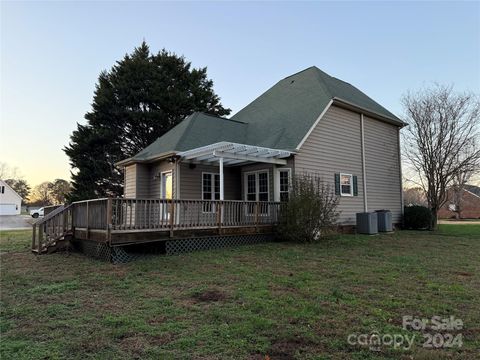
<point x="7" y="172"/>
<point x="42" y="194"/>
<point x="59" y="189"/>
<point x="442" y="139"/>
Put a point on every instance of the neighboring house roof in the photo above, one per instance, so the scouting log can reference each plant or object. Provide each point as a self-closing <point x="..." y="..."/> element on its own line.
<point x="4" y="183"/>
<point x="473" y="189"/>
<point x="280" y="118"/>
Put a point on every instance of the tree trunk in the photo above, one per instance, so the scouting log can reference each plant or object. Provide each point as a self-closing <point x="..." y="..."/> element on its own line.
<point x="433" y="224"/>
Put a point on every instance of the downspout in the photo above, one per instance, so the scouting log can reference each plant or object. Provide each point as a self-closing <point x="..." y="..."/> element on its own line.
<point x="364" y="174"/>
<point x="401" y="173"/>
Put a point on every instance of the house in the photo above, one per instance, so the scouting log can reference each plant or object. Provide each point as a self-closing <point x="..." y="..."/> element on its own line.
<point x="10" y="201"/>
<point x="212" y="181"/>
<point x="309" y="122"/>
<point x="461" y="205"/>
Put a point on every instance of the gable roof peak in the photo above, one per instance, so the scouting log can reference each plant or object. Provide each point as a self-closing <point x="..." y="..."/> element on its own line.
<point x="279" y="118"/>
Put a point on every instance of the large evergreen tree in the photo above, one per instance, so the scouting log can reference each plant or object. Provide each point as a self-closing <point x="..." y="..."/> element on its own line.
<point x="143" y="96"/>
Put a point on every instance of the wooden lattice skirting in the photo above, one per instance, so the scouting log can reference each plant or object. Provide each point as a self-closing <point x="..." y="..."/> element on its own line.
<point x="123" y="254"/>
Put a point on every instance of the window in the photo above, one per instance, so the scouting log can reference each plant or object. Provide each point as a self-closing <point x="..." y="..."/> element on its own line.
<point x="251" y="187"/>
<point x="346" y="184"/>
<point x="283" y="184"/>
<point x="257" y="189"/>
<point x="263" y="186"/>
<point x="2" y="188"/>
<point x="210" y="190"/>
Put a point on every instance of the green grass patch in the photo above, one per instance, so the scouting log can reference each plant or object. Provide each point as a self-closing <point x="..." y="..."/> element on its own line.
<point x="469" y="230"/>
<point x="287" y="301"/>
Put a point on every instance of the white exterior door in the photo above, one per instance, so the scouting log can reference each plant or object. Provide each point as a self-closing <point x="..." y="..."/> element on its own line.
<point x="166" y="192"/>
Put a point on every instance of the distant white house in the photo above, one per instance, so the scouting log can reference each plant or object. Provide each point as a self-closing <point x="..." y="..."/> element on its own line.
<point x="10" y="201"/>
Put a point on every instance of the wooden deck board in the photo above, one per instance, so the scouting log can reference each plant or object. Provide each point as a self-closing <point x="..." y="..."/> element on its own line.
<point x="128" y="237"/>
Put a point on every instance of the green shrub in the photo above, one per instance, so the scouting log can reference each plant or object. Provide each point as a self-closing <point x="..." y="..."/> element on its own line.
<point x="417" y="217"/>
<point x="311" y="211"/>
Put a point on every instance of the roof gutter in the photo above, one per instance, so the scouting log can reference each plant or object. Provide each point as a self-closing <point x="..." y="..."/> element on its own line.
<point x="348" y="105"/>
<point x="132" y="160"/>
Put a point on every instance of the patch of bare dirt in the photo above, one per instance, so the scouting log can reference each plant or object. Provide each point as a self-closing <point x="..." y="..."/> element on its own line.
<point x="463" y="273"/>
<point x="160" y="340"/>
<point x="157" y="320"/>
<point x="286" y="349"/>
<point x="212" y="295"/>
<point x="134" y="345"/>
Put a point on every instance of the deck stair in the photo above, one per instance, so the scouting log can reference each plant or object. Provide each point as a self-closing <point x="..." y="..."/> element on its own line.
<point x="53" y="232"/>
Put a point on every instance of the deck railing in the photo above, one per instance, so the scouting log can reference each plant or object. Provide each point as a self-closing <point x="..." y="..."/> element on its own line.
<point x="117" y="214"/>
<point x="138" y="214"/>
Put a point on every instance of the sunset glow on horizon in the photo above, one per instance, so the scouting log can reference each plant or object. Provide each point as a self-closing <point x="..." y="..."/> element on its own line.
<point x="52" y="54"/>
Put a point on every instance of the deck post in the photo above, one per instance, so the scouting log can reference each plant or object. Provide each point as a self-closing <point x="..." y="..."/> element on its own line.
<point x="72" y="218"/>
<point x="88" y="219"/>
<point x="172" y="214"/>
<point x="34" y="235"/>
<point x="64" y="221"/>
<point x="40" y="238"/>
<point x="109" y="218"/>
<point x="219" y="216"/>
<point x="256" y="216"/>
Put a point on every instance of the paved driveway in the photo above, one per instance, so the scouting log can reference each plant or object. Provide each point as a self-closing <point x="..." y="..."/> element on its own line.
<point x="16" y="222"/>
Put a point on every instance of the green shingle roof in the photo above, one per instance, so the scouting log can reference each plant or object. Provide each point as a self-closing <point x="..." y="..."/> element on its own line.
<point x="277" y="119"/>
<point x="196" y="130"/>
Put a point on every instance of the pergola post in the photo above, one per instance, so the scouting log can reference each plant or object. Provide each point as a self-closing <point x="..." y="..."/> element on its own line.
<point x="220" y="163"/>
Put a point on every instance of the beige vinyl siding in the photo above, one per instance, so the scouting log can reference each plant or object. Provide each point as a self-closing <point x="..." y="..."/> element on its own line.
<point x="334" y="146"/>
<point x="382" y="167"/>
<point x="143" y="181"/>
<point x="156" y="169"/>
<point x="191" y="181"/>
<point x="130" y="189"/>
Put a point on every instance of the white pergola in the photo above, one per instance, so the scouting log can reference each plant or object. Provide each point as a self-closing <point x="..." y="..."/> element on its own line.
<point x="229" y="154"/>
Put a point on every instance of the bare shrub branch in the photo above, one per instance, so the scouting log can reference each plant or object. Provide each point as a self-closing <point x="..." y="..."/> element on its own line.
<point x="311" y="210"/>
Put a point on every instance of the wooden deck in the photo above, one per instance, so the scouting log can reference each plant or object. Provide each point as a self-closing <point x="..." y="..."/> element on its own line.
<point x="118" y="221"/>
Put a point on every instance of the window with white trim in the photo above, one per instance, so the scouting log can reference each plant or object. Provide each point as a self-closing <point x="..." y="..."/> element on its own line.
<point x="257" y="189"/>
<point x="284" y="184"/>
<point x="210" y="190"/>
<point x="263" y="186"/>
<point x="346" y="184"/>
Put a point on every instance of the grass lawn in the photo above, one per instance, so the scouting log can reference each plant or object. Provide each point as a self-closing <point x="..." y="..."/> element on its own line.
<point x="277" y="299"/>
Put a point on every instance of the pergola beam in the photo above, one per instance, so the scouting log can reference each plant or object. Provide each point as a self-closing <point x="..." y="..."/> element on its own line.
<point x="223" y="154"/>
<point x="234" y="153"/>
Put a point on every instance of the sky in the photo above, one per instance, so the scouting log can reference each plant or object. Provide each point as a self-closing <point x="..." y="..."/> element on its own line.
<point x="53" y="52"/>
